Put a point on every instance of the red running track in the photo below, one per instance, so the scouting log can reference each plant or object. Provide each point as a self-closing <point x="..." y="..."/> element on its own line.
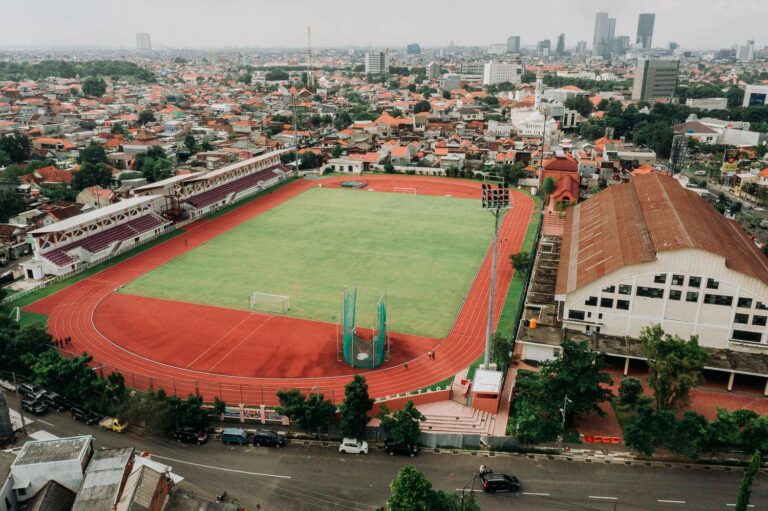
<point x="89" y="312"/>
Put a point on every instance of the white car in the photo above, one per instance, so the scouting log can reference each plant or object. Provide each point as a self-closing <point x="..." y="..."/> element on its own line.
<point x="353" y="446"/>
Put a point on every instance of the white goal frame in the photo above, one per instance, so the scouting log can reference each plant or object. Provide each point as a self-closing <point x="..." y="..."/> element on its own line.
<point x="493" y="178"/>
<point x="412" y="191"/>
<point x="266" y="302"/>
<point x="15" y="314"/>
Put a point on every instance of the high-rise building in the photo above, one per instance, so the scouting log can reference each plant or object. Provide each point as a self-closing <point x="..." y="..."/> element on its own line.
<point x="672" y="46"/>
<point x="603" y="37"/>
<point x="560" y="50"/>
<point x="513" y="44"/>
<point x="499" y="72"/>
<point x="655" y="79"/>
<point x="413" y="49"/>
<point x="143" y="43"/>
<point x="433" y="71"/>
<point x="375" y="63"/>
<point x="620" y="44"/>
<point x="746" y="53"/>
<point x="645" y="30"/>
<point x="543" y="47"/>
<point x="581" y="48"/>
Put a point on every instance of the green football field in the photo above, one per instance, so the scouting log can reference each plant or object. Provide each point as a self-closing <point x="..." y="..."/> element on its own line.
<point x="424" y="251"/>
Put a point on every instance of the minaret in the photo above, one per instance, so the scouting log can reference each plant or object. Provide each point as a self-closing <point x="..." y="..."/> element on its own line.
<point x="539" y="87"/>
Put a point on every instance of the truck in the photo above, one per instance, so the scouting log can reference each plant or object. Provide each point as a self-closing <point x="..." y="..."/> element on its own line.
<point x="113" y="424"/>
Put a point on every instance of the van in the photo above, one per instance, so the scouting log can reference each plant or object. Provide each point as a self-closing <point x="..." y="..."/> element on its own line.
<point x="54" y="400"/>
<point x="234" y="436"/>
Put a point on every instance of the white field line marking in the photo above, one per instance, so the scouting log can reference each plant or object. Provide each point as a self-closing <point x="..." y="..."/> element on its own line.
<point x="221" y="468"/>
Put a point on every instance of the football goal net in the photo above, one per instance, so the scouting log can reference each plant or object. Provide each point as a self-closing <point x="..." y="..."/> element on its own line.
<point x="411" y="191"/>
<point x="265" y="302"/>
<point x="493" y="178"/>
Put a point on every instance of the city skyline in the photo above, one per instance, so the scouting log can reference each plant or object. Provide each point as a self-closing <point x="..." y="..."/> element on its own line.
<point x="88" y="23"/>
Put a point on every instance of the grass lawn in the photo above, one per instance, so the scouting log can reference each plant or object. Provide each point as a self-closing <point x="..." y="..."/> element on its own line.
<point x="423" y="251"/>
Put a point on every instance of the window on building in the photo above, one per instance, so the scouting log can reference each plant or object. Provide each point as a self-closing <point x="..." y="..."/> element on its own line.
<point x="691" y="296"/>
<point x="718" y="300"/>
<point x="660" y="279"/>
<point x="741" y="318"/>
<point x="625" y="289"/>
<point x="650" y="292"/>
<point x="745" y="303"/>
<point x="574" y="314"/>
<point x="678" y="280"/>
<point x="743" y="335"/>
<point x="759" y="320"/>
<point x="694" y="281"/>
<point x="761" y="306"/>
<point x="712" y="284"/>
<point x="675" y="295"/>
<point x="592" y="300"/>
<point x="622" y="305"/>
<point x="609" y="289"/>
<point x="606" y="302"/>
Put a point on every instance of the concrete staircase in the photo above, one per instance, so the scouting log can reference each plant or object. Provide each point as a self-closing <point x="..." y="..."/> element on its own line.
<point x="451" y="417"/>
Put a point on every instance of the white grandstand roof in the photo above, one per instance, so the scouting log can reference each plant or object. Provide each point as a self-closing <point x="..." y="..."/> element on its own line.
<point x="166" y="182"/>
<point x="238" y="164"/>
<point x="86" y="218"/>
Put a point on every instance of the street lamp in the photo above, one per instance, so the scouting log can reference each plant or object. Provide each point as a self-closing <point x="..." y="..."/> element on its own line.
<point x="562" y="411"/>
<point x="496" y="200"/>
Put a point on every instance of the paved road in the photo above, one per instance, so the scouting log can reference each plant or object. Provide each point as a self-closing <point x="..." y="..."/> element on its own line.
<point x="313" y="478"/>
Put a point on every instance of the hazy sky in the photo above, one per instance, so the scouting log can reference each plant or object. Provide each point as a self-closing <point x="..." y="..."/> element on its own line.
<point x="694" y="24"/>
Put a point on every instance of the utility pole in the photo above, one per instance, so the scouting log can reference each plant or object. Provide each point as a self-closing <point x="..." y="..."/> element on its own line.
<point x="495" y="200"/>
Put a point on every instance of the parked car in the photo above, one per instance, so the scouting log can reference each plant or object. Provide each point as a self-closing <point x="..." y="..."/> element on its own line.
<point x="35" y="406"/>
<point x="495" y="481"/>
<point x="268" y="438"/>
<point x="55" y="401"/>
<point x="190" y="436"/>
<point x="84" y="415"/>
<point x="353" y="446"/>
<point x="393" y="448"/>
<point x="234" y="436"/>
<point x="30" y="389"/>
<point x="113" y="424"/>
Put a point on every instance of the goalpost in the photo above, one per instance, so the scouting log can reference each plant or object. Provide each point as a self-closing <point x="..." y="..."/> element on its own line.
<point x="411" y="191"/>
<point x="494" y="179"/>
<point x="15" y="314"/>
<point x="266" y="302"/>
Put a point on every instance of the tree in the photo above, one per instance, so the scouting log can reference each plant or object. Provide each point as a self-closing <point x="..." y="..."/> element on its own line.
<point x="342" y="120"/>
<point x="190" y="143"/>
<point x="629" y="390"/>
<point x="521" y="262"/>
<point x="206" y="145"/>
<point x="154" y="164"/>
<point x="656" y="135"/>
<point x="581" y="104"/>
<point x="16" y="147"/>
<point x="422" y="106"/>
<point x="548" y="186"/>
<point x="411" y="491"/>
<point x="309" y="160"/>
<point x="19" y="347"/>
<point x="735" y="96"/>
<point x="354" y="410"/>
<point x="90" y="175"/>
<point x="71" y="377"/>
<point x="336" y="151"/>
<point x="114" y="390"/>
<point x="146" y="116"/>
<point x="88" y="124"/>
<point x="189" y="413"/>
<point x="311" y="414"/>
<point x="117" y="129"/>
<point x="446" y="94"/>
<point x="219" y="406"/>
<point x="11" y="204"/>
<point x="93" y="153"/>
<point x="745" y="488"/>
<point x="402" y="427"/>
<point x="5" y="158"/>
<point x="640" y="432"/>
<point x="95" y="87"/>
<point x="674" y="366"/>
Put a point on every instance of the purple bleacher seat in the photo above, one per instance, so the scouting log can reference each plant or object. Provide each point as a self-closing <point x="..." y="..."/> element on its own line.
<point x="219" y="193"/>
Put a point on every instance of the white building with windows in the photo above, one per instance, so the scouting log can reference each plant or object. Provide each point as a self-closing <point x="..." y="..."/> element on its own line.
<point x="651" y="251"/>
<point x="500" y="72"/>
<point x="376" y="63"/>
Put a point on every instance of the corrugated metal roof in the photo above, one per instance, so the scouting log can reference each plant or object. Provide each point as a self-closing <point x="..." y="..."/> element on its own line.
<point x="51" y="451"/>
<point x="102" y="480"/>
<point x="630" y="223"/>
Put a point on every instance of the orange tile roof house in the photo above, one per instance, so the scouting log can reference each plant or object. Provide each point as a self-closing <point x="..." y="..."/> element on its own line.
<point x="651" y="251"/>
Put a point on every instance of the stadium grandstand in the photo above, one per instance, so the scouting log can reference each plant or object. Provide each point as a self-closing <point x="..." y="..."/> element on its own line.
<point x="196" y="194"/>
<point x="64" y="247"/>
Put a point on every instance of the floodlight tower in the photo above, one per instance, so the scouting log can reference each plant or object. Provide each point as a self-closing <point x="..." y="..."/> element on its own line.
<point x="495" y="200"/>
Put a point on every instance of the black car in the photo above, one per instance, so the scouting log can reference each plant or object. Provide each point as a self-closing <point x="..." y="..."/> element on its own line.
<point x="190" y="436"/>
<point x="267" y="438"/>
<point x="35" y="406"/>
<point x="495" y="481"/>
<point x="30" y="389"/>
<point x="54" y="400"/>
<point x="393" y="448"/>
<point x="83" y="415"/>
